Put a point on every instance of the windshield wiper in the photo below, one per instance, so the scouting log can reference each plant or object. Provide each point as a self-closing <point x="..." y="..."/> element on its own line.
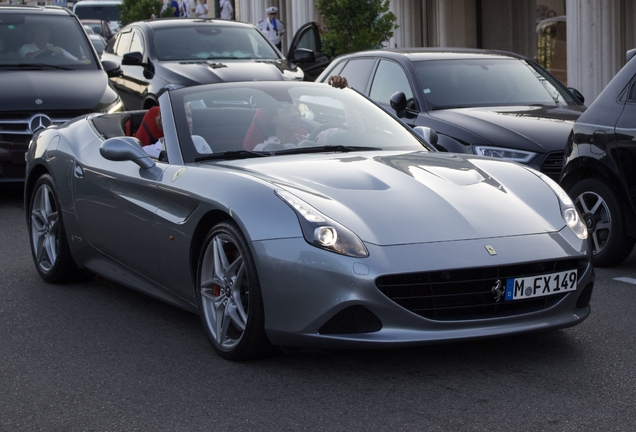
<point x="233" y="154"/>
<point x="324" y="149"/>
<point x="36" y="66"/>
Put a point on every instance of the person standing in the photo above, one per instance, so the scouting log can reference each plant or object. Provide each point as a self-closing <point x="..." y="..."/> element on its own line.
<point x="174" y="4"/>
<point x="272" y="27"/>
<point x="202" y="9"/>
<point x="226" y="9"/>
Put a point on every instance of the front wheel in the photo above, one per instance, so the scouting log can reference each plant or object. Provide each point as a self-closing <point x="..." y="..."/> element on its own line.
<point x="49" y="246"/>
<point x="605" y="219"/>
<point x="229" y="295"/>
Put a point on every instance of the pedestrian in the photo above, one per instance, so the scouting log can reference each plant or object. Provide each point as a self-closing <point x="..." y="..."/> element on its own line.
<point x="226" y="9"/>
<point x="174" y="4"/>
<point x="202" y="9"/>
<point x="272" y="27"/>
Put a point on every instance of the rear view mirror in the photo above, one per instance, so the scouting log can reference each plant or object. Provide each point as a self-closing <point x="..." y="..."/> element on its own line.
<point x="304" y="55"/>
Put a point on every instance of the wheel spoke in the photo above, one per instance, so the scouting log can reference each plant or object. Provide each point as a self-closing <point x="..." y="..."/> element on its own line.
<point x="220" y="259"/>
<point x="597" y="246"/>
<point x="236" y="314"/>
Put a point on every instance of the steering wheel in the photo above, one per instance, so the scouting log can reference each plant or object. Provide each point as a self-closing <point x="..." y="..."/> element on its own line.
<point x="45" y="53"/>
<point x="314" y="134"/>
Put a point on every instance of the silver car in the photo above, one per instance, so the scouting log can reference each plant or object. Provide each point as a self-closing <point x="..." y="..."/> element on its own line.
<point x="297" y="214"/>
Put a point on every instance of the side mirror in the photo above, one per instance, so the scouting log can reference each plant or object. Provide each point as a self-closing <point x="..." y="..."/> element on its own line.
<point x="398" y="103"/>
<point x="111" y="68"/>
<point x="429" y="135"/>
<point x="134" y="58"/>
<point x="125" y="149"/>
<point x="304" y="55"/>
<point x="577" y="94"/>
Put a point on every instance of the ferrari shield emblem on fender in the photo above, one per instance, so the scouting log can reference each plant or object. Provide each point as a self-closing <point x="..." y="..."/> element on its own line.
<point x="491" y="250"/>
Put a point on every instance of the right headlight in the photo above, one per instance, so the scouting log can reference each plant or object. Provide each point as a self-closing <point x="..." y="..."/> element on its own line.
<point x="568" y="211"/>
<point x="514" y="155"/>
<point x="322" y="231"/>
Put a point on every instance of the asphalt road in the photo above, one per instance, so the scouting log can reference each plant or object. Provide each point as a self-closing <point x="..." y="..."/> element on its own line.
<point x="98" y="357"/>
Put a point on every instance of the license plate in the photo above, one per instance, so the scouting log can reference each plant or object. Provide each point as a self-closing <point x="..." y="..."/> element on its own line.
<point x="542" y="285"/>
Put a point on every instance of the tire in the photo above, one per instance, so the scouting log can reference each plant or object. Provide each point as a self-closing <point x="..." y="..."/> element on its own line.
<point x="229" y="296"/>
<point x="49" y="246"/>
<point x="605" y="219"/>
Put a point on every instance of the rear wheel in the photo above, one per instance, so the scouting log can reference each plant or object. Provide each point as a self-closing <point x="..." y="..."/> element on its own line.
<point x="49" y="246"/>
<point x="229" y="295"/>
<point x="605" y="219"/>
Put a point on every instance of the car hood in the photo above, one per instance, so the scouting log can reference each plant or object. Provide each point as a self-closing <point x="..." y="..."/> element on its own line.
<point x="539" y="129"/>
<point x="399" y="198"/>
<point x="209" y="71"/>
<point x="44" y="90"/>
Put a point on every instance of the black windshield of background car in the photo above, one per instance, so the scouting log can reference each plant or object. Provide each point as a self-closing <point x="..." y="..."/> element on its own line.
<point x="209" y="42"/>
<point x="464" y="83"/>
<point x="64" y="32"/>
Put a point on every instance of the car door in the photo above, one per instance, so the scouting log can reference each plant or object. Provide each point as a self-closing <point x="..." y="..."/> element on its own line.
<point x="308" y="37"/>
<point x="116" y="203"/>
<point x="625" y="135"/>
<point x="115" y="51"/>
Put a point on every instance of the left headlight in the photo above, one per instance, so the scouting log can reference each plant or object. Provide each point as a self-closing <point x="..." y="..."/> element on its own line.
<point x="568" y="211"/>
<point x="322" y="231"/>
<point x="505" y="153"/>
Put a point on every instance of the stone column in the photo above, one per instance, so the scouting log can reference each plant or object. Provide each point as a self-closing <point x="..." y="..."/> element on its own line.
<point x="594" y="50"/>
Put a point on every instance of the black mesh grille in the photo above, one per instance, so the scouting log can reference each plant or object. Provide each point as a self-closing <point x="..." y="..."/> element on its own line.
<point x="553" y="165"/>
<point x="466" y="294"/>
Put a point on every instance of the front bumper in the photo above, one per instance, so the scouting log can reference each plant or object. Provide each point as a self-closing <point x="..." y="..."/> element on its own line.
<point x="307" y="290"/>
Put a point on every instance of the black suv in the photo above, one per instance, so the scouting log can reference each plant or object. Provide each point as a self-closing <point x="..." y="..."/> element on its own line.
<point x="49" y="74"/>
<point x="600" y="168"/>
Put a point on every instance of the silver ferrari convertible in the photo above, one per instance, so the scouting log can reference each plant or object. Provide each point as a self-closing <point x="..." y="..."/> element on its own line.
<point x="298" y="214"/>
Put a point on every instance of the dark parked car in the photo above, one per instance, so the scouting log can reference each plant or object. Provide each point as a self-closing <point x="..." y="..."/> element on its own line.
<point x="600" y="168"/>
<point x="490" y="103"/>
<point x="49" y="74"/>
<point x="161" y="53"/>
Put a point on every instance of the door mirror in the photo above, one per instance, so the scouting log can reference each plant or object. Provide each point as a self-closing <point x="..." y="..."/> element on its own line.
<point x="304" y="55"/>
<point x="577" y="94"/>
<point x="134" y="58"/>
<point x="111" y="68"/>
<point x="398" y="103"/>
<point x="125" y="149"/>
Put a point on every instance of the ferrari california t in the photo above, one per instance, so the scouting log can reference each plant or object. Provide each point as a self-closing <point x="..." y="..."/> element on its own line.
<point x="297" y="214"/>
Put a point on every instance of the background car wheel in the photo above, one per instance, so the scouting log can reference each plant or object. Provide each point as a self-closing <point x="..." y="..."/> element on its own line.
<point x="605" y="220"/>
<point x="230" y="302"/>
<point x="49" y="246"/>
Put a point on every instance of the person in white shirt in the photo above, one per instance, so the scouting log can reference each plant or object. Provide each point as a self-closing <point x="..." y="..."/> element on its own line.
<point x="41" y="45"/>
<point x="272" y="27"/>
<point x="226" y="9"/>
<point x="202" y="9"/>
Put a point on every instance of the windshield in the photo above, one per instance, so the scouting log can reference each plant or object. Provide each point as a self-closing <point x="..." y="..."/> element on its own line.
<point x="281" y="118"/>
<point x="44" y="41"/>
<point x="98" y="12"/>
<point x="208" y="41"/>
<point x="486" y="82"/>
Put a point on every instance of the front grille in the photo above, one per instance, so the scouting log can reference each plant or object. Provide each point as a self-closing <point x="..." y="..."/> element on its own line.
<point x="466" y="294"/>
<point x="553" y="165"/>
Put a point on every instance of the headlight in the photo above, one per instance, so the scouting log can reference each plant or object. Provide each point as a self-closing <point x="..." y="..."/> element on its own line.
<point x="116" y="106"/>
<point x="568" y="211"/>
<point x="323" y="232"/>
<point x="505" y="153"/>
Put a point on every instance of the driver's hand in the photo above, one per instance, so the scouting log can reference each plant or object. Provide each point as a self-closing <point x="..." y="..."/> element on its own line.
<point x="56" y="49"/>
<point x="337" y="81"/>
